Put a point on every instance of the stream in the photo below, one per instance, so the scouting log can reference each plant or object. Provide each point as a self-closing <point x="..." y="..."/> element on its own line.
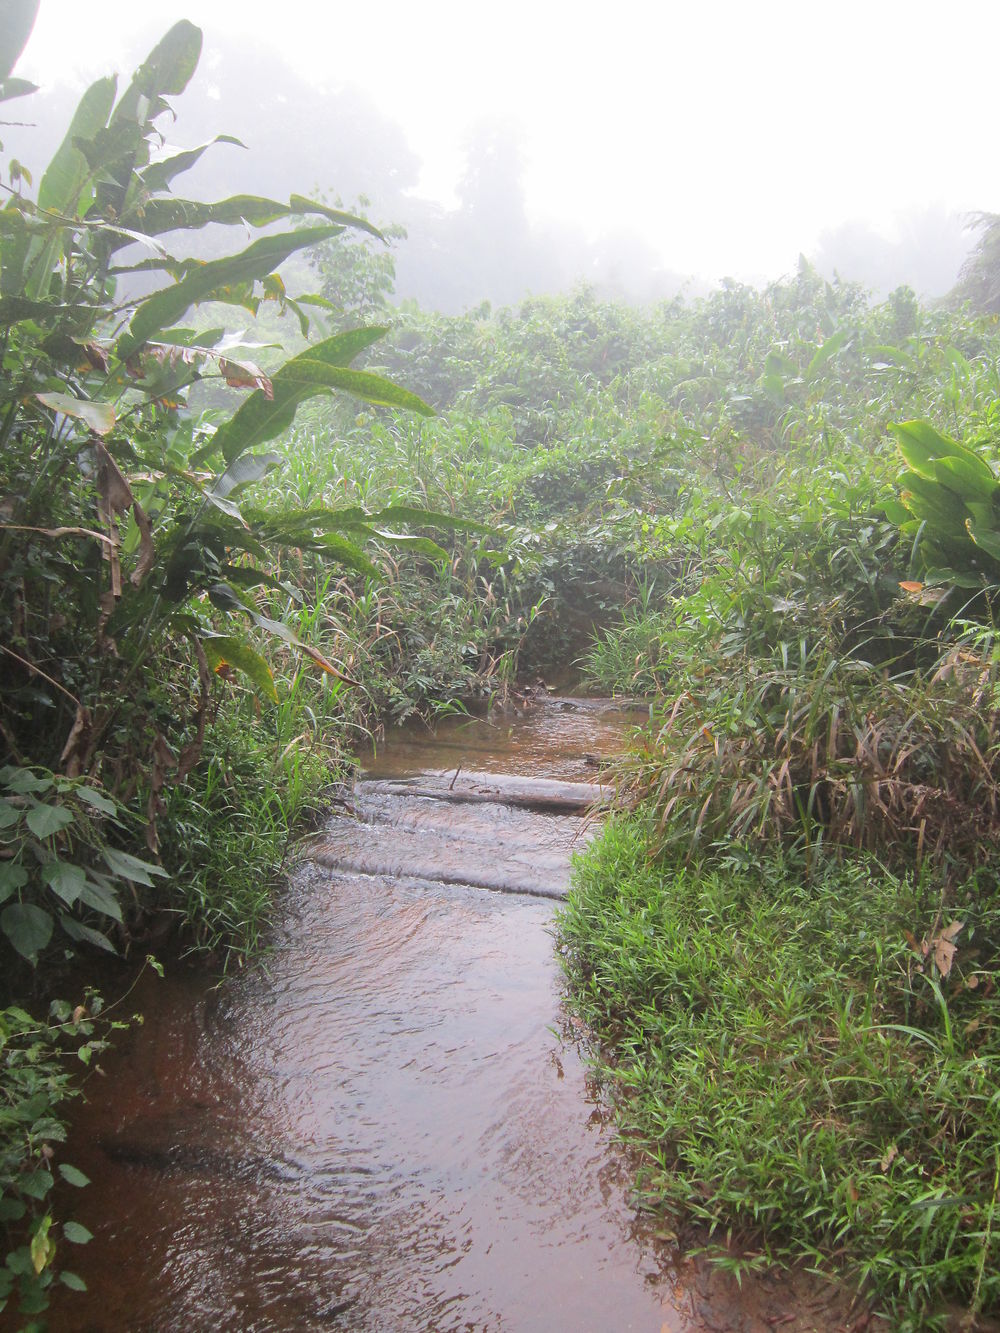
<point x="381" y="1125"/>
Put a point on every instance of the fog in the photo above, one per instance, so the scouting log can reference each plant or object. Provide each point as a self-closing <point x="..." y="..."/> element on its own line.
<point x="530" y="148"/>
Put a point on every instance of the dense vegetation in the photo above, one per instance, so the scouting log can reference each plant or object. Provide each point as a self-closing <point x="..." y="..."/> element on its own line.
<point x="231" y="542"/>
<point x="167" y="712"/>
<point x="788" y="949"/>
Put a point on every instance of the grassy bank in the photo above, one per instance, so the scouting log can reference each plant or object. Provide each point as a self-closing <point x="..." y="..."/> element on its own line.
<point x="803" y="1062"/>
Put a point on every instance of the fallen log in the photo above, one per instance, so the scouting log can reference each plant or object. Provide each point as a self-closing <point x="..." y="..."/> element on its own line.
<point x="391" y="868"/>
<point x="542" y="795"/>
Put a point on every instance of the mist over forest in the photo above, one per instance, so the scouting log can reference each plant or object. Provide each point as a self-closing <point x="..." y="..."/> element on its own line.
<point x="335" y="142"/>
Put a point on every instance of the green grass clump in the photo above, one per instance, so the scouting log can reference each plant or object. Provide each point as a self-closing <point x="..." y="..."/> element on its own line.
<point x="804" y="1061"/>
<point x="227" y="830"/>
<point x="632" y="657"/>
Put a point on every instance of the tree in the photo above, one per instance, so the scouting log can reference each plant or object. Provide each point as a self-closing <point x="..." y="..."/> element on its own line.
<point x="979" y="280"/>
<point x="357" y="275"/>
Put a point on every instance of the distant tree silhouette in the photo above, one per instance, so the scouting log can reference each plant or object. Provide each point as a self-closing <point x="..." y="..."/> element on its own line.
<point x="925" y="254"/>
<point x="979" y="281"/>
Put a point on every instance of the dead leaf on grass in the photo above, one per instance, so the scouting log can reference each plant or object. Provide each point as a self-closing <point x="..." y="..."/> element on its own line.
<point x="941" y="947"/>
<point x="945" y="948"/>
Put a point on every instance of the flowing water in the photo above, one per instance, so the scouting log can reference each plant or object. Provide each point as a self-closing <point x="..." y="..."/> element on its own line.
<point x="380" y="1127"/>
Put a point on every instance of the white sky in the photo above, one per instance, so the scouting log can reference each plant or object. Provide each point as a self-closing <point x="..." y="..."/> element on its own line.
<point x="727" y="134"/>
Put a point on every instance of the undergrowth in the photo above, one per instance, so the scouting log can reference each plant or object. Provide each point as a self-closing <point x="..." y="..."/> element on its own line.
<point x="811" y="1059"/>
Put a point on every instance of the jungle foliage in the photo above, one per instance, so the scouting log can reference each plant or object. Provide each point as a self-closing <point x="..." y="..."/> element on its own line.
<point x="142" y="579"/>
<point x="787" y="952"/>
<point x="771" y="514"/>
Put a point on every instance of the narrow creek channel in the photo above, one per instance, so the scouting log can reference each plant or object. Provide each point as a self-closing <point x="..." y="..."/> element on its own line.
<point x="378" y="1127"/>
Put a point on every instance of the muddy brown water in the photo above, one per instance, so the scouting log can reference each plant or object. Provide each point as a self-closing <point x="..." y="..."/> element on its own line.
<point x="380" y="1127"/>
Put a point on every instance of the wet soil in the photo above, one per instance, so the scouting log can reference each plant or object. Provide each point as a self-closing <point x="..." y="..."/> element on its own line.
<point x="381" y="1125"/>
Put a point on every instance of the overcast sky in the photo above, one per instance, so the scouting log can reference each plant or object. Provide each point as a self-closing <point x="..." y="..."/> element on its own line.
<point x="729" y="135"/>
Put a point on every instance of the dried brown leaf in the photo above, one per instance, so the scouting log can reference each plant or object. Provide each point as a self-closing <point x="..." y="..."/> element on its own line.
<point x="943" y="946"/>
<point x="146" y="552"/>
<point x="73" y="752"/>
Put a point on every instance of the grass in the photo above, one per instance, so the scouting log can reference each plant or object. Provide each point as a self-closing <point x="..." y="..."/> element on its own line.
<point x="632" y="657"/>
<point x="227" y="830"/>
<point x="793" y="1065"/>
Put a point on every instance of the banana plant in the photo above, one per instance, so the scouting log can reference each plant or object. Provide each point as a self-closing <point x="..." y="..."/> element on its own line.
<point x="139" y="547"/>
<point x="949" y="506"/>
<point x="112" y="503"/>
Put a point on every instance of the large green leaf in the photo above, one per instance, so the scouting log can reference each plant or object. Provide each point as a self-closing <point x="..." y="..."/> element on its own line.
<point x="251" y="576"/>
<point x="921" y="445"/>
<point x="76" y="930"/>
<point x="362" y="384"/>
<point x="73" y="1175"/>
<point x="77" y="1234"/>
<point x="171" y="63"/>
<point x="97" y="800"/>
<point x="295" y="525"/>
<point x="12" y="878"/>
<point x="409" y="541"/>
<point x="47" y="820"/>
<point x="69" y="169"/>
<point x="299" y="204"/>
<point x="166" y="306"/>
<point x="28" y="927"/>
<point x="65" y="880"/>
<point x="343" y="551"/>
<point x="36" y="265"/>
<point x="320" y="517"/>
<point x="428" y="518"/>
<point x="343" y="348"/>
<point x="972" y="481"/>
<point x="162" y="215"/>
<point x="829" y="349"/>
<point x="226" y="598"/>
<point x="244" y="471"/>
<point x="16" y="231"/>
<point x="158" y="175"/>
<point x="166" y="70"/>
<point x="102" y="898"/>
<point x="260" y="418"/>
<point x="896" y="512"/>
<point x="986" y="539"/>
<point x="228" y="650"/>
<point x="17" y="18"/>
<point x="950" y="491"/>
<point x="928" y="499"/>
<point x="11" y="88"/>
<point x="100" y="417"/>
<point x="315" y="530"/>
<point x="302" y="378"/>
<point x="131" y="867"/>
<point x="282" y="631"/>
<point x="13" y="309"/>
<point x="895" y="356"/>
